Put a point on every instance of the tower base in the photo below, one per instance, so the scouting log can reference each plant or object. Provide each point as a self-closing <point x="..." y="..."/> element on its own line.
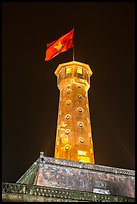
<point x="53" y="180"/>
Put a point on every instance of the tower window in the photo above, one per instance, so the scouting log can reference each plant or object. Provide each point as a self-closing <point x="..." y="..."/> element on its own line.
<point x="68" y="70"/>
<point x="79" y="96"/>
<point x="68" y="91"/>
<point x="81" y="139"/>
<point x="68" y="102"/>
<point x="80" y="124"/>
<point x="67" y="131"/>
<point x="68" y="86"/>
<point x="79" y="70"/>
<point x="80" y="109"/>
<point x="67" y="116"/>
<point x="67" y="147"/>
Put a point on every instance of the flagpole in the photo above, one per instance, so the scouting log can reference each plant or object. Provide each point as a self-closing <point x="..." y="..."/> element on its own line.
<point x="73" y="53"/>
<point x="73" y="46"/>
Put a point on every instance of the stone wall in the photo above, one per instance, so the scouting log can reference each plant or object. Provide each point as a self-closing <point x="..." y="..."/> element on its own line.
<point x="86" y="177"/>
<point x="15" y="192"/>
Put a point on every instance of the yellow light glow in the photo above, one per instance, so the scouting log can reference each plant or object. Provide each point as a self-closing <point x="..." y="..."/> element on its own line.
<point x="68" y="70"/>
<point x="91" y="150"/>
<point x="82" y="153"/>
<point x="79" y="70"/>
<point x="64" y="140"/>
<point x="84" y="159"/>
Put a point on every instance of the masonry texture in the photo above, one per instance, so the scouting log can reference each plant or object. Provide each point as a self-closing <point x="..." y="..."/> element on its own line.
<point x="64" y="181"/>
<point x="74" y="136"/>
<point x="80" y="176"/>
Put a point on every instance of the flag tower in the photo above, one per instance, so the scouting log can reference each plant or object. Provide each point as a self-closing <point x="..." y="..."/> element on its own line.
<point x="74" y="136"/>
<point x="61" y="179"/>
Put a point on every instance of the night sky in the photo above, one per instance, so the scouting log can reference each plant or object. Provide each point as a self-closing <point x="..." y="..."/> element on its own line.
<point x="104" y="38"/>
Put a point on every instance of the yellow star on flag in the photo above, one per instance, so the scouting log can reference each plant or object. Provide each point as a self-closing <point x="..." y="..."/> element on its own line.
<point x="59" y="46"/>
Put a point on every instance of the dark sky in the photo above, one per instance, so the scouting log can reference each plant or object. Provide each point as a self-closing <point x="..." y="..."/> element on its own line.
<point x="104" y="38"/>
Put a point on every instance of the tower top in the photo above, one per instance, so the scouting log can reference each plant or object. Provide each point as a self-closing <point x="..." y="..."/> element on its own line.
<point x="83" y="65"/>
<point x="74" y="72"/>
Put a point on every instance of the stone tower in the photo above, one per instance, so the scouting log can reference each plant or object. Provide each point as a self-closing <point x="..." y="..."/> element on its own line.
<point x="67" y="178"/>
<point x="74" y="136"/>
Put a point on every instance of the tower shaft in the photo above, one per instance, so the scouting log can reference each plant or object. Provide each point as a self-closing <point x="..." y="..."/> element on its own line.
<point x="74" y="137"/>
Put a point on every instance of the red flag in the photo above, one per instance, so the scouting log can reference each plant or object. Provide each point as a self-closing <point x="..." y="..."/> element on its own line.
<point x="61" y="45"/>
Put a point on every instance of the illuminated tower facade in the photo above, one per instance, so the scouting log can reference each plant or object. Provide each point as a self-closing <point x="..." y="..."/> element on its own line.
<point x="74" y="136"/>
<point x="60" y="180"/>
